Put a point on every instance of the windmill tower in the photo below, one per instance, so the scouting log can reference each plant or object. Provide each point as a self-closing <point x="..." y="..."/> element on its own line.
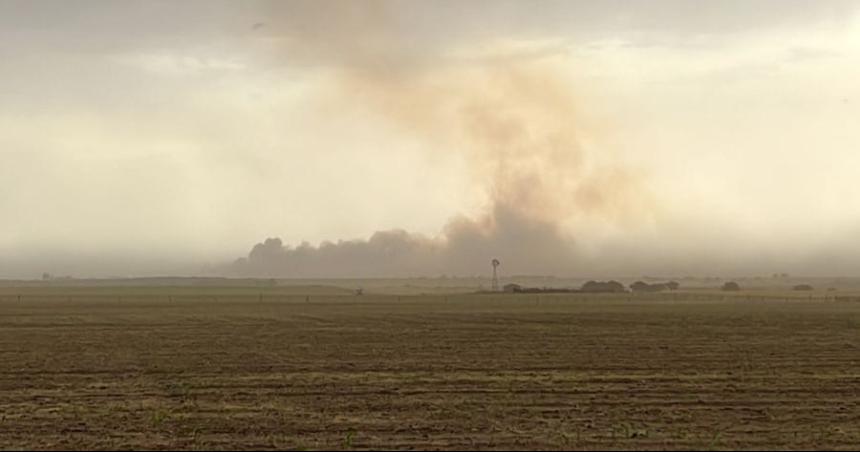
<point x="495" y="263"/>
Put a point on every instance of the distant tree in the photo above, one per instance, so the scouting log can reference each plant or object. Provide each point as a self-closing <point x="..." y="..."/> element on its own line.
<point x="673" y="285"/>
<point x="731" y="286"/>
<point x="47" y="276"/>
<point x="590" y="286"/>
<point x="615" y="286"/>
<point x="640" y="286"/>
<point x="602" y="287"/>
<point x="803" y="287"/>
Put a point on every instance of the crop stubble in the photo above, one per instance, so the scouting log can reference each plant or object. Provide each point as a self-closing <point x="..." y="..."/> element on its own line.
<point x="433" y="372"/>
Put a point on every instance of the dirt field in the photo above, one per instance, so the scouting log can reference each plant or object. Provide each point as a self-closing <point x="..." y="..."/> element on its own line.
<point x="411" y="372"/>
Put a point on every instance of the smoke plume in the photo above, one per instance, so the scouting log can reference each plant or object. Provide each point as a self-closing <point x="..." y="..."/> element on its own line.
<point x="544" y="172"/>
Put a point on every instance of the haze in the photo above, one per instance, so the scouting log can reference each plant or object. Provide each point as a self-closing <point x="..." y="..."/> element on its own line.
<point x="419" y="139"/>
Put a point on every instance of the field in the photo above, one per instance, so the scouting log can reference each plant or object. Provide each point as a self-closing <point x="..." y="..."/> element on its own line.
<point x="204" y="368"/>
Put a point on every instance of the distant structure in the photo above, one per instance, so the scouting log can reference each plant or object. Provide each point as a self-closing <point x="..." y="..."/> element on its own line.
<point x="495" y="286"/>
<point x="512" y="288"/>
<point x="640" y="286"/>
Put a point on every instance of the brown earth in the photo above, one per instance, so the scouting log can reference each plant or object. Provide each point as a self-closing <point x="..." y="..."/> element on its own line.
<point x="483" y="372"/>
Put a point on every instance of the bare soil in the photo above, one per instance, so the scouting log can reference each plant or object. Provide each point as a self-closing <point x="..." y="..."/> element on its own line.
<point x="468" y="372"/>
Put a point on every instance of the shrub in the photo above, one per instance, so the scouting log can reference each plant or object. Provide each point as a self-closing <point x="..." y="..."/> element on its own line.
<point x="731" y="286"/>
<point x="640" y="286"/>
<point x="602" y="287"/>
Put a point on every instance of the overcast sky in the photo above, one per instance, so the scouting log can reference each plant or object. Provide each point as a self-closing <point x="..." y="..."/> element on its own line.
<point x="572" y="138"/>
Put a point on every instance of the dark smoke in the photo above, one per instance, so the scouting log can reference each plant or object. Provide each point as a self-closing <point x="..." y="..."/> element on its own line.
<point x="465" y="248"/>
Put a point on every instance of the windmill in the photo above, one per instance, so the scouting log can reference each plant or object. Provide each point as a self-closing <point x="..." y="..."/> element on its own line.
<point x="495" y="263"/>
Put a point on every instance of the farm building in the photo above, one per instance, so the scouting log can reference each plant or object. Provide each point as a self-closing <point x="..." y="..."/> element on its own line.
<point x="512" y="288"/>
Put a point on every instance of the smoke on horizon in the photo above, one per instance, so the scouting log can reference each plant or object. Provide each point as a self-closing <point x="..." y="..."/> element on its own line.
<point x="542" y="169"/>
<point x="424" y="138"/>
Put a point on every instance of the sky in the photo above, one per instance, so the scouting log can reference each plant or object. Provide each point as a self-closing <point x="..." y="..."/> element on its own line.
<point x="387" y="138"/>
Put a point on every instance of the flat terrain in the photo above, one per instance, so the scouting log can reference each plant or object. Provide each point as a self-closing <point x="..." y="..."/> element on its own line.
<point x="489" y="372"/>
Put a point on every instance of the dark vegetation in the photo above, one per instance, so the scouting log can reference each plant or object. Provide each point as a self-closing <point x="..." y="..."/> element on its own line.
<point x="602" y="287"/>
<point x="589" y="287"/>
<point x="596" y="287"/>
<point x="731" y="286"/>
<point x="640" y="286"/>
